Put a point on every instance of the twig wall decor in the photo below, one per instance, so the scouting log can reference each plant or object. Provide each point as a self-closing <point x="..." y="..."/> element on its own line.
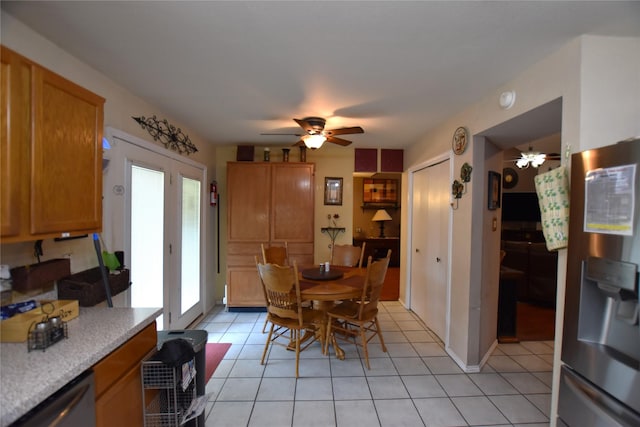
<point x="166" y="133"/>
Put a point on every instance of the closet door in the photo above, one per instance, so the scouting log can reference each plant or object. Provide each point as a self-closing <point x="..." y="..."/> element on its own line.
<point x="430" y="247"/>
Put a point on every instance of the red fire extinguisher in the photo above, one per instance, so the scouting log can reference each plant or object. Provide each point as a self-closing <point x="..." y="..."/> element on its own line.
<point x="213" y="194"/>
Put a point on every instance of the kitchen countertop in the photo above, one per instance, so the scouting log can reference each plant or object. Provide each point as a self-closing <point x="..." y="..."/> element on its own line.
<point x="28" y="378"/>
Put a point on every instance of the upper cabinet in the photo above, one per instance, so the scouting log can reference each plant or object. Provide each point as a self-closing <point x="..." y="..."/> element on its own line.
<point x="51" y="154"/>
<point x="366" y="160"/>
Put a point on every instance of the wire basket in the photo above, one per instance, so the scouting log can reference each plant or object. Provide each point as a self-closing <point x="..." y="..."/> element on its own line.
<point x="46" y="333"/>
<point x="167" y="393"/>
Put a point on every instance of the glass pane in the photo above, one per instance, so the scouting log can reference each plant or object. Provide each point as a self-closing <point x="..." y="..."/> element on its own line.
<point x="147" y="237"/>
<point x="190" y="267"/>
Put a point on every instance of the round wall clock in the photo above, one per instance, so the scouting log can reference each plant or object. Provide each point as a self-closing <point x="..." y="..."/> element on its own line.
<point x="460" y="140"/>
<point x="509" y="178"/>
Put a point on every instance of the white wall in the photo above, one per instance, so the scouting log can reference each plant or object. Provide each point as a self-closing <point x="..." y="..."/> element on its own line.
<point x="598" y="79"/>
<point x="610" y="91"/>
<point x="120" y="106"/>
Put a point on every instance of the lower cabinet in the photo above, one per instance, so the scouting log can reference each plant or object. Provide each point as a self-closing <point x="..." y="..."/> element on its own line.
<point x="118" y="382"/>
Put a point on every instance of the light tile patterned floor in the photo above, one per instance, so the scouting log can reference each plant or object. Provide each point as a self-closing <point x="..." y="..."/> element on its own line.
<point x="414" y="384"/>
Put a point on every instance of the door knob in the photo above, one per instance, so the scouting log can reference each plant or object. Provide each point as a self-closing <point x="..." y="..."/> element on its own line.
<point x="417" y="250"/>
<point x="437" y="259"/>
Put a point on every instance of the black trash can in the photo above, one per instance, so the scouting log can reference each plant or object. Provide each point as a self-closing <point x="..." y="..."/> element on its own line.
<point x="198" y="340"/>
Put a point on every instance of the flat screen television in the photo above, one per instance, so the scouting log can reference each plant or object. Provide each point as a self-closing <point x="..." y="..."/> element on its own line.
<point x="520" y="207"/>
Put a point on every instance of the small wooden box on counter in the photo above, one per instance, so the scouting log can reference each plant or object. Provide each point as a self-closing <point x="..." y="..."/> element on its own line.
<point x="16" y="329"/>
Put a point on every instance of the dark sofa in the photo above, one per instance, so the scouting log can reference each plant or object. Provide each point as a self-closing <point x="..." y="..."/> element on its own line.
<point x="540" y="268"/>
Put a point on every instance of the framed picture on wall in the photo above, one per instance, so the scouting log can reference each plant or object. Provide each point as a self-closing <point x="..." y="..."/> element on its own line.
<point x="380" y="190"/>
<point x="333" y="191"/>
<point x="493" y="201"/>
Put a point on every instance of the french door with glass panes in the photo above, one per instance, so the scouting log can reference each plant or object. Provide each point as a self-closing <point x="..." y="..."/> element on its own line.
<point x="163" y="232"/>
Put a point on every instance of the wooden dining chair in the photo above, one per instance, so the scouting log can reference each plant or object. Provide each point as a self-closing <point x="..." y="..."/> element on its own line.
<point x="275" y="254"/>
<point x="347" y="255"/>
<point x="360" y="319"/>
<point x="285" y="312"/>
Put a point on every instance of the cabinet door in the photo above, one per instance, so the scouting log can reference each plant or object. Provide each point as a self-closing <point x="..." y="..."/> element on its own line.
<point x="292" y="202"/>
<point x="118" y="384"/>
<point x="15" y="118"/>
<point x="248" y="186"/>
<point x="245" y="289"/>
<point x="66" y="157"/>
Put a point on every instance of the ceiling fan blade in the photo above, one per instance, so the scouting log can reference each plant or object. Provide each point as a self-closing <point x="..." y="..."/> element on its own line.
<point x="338" y="141"/>
<point x="294" y="134"/>
<point x="344" y="131"/>
<point x="298" y="144"/>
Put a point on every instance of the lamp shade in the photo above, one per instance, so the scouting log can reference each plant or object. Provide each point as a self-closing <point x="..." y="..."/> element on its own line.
<point x="381" y="215"/>
<point x="314" y="141"/>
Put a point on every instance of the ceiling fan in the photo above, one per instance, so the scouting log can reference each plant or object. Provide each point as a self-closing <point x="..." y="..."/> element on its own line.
<point x="315" y="134"/>
<point x="533" y="158"/>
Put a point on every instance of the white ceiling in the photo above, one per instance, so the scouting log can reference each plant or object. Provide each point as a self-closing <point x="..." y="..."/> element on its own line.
<point x="235" y="69"/>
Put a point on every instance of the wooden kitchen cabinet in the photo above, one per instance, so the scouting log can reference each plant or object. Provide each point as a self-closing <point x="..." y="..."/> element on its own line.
<point x="268" y="203"/>
<point x="118" y="383"/>
<point x="51" y="154"/>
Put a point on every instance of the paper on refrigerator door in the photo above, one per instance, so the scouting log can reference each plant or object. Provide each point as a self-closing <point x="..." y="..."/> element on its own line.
<point x="610" y="200"/>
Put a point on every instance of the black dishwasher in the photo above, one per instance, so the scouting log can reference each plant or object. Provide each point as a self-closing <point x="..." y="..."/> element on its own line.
<point x="71" y="406"/>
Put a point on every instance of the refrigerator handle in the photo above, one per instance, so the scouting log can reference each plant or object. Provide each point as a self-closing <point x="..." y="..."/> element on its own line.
<point x="608" y="409"/>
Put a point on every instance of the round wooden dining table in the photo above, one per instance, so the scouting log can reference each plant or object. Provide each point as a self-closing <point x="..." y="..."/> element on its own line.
<point x="324" y="293"/>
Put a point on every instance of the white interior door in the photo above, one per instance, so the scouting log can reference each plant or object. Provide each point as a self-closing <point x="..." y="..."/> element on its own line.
<point x="420" y="212"/>
<point x="162" y="230"/>
<point x="430" y="246"/>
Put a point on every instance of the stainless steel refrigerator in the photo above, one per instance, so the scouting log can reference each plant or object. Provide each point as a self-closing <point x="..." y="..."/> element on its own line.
<point x="600" y="376"/>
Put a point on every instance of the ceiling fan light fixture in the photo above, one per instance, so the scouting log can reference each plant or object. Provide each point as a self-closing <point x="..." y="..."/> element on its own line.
<point x="314" y="141"/>
<point x="531" y="158"/>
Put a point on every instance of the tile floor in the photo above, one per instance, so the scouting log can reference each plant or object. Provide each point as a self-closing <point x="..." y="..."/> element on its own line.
<point x="414" y="384"/>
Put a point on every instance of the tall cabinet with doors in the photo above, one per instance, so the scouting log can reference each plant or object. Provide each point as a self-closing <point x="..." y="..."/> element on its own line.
<point x="268" y="203"/>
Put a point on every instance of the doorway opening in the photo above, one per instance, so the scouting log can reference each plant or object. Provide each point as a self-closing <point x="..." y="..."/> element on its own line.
<point x="528" y="269"/>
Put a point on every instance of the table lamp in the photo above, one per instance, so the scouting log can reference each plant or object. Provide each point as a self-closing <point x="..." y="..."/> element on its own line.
<point x="381" y="216"/>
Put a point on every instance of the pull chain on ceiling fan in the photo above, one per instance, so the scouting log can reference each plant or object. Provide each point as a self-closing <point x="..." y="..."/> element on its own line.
<point x="315" y="135"/>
